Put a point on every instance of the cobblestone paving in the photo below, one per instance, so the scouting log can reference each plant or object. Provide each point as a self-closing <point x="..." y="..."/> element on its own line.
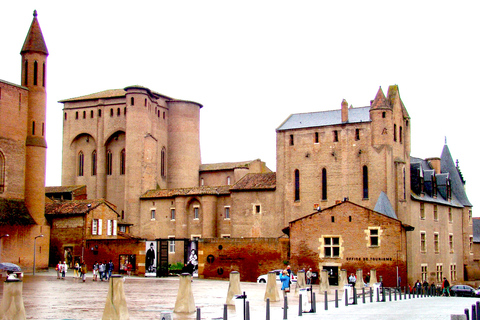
<point x="46" y="297"/>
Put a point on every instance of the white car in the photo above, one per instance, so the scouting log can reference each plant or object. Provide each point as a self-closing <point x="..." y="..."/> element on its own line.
<point x="263" y="278"/>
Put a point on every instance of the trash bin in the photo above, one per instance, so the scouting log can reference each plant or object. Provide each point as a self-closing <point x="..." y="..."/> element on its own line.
<point x="347" y="289"/>
<point x="240" y="306"/>
<point x="166" y="315"/>
<point x="304" y="293"/>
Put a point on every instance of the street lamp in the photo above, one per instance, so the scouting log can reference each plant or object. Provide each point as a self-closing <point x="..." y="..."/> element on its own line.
<point x="34" y="250"/>
<point x="3" y="235"/>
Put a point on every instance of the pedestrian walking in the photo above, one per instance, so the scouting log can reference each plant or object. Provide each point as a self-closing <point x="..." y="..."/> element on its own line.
<point x="102" y="269"/>
<point x="285" y="279"/>
<point x="109" y="269"/>
<point x="309" y="276"/>
<point x="64" y="269"/>
<point x="445" y="287"/>
<point x="58" y="268"/>
<point x="83" y="271"/>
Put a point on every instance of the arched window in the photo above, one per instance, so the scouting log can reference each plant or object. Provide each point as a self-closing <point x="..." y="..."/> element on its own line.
<point x="81" y="161"/>
<point x="365" y="182"/>
<point x="35" y="72"/>
<point x="394" y="132"/>
<point x="228" y="181"/>
<point x="109" y="162"/>
<point x="162" y="162"/>
<point x="25" y="79"/>
<point x="2" y="173"/>
<point x="122" y="161"/>
<point x="297" y="185"/>
<point x="43" y="75"/>
<point x="324" y="184"/>
<point x="94" y="163"/>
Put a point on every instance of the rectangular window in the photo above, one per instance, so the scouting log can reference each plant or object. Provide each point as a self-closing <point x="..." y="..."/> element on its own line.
<point x="152" y="214"/>
<point x="470" y="216"/>
<point x="435" y="212"/>
<point x="439" y="272"/>
<point x="172" y="214"/>
<point x="450" y="242"/>
<point x="450" y="215"/>
<point x="374" y="238"/>
<point x="258" y="208"/>
<point x="171" y="245"/>
<point x="470" y="244"/>
<point x="316" y="137"/>
<point x="357" y="134"/>
<point x="453" y="272"/>
<point x="422" y="210"/>
<point x="291" y="139"/>
<point x="332" y="247"/>
<point x="335" y="135"/>
<point x="97" y="227"/>
<point x="109" y="227"/>
<point x="196" y="213"/>
<point x="227" y="212"/>
<point x="436" y="242"/>
<point x="424" y="272"/>
<point x="423" y="245"/>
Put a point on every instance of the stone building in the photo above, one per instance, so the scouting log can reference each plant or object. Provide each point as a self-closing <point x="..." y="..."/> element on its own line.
<point x="23" y="158"/>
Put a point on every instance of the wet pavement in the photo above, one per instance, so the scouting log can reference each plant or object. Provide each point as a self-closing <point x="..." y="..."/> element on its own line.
<point x="46" y="297"/>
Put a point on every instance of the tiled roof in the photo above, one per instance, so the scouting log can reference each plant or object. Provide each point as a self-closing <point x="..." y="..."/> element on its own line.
<point x="225" y="165"/>
<point x="256" y="181"/>
<point x="14" y="212"/>
<point x="34" y="41"/>
<point x="74" y="207"/>
<point x="61" y="189"/>
<point x="204" y="190"/>
<point x="324" y="118"/>
<point x="112" y="93"/>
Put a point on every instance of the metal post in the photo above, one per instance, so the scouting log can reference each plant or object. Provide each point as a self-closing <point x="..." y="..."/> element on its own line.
<point x="199" y="316"/>
<point x="268" y="310"/>
<point x="378" y="294"/>
<point x="371" y="294"/>
<point x="285" y="307"/>
<point x="363" y="294"/>
<point x="244" y="309"/>
<point x="247" y="310"/>
<point x="314" y="303"/>
<point x="326" y="300"/>
<point x="336" y="298"/>
<point x="389" y="294"/>
<point x="383" y="294"/>
<point x="300" y="313"/>
<point x="225" y="312"/>
<point x="354" y="295"/>
<point x="346" y="297"/>
<point x="474" y="312"/>
<point x="478" y="310"/>
<point x="34" y="250"/>
<point x="395" y="294"/>
<point x="467" y="314"/>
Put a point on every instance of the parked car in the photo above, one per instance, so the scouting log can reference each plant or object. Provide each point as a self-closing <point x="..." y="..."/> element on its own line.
<point x="462" y="290"/>
<point x="263" y="278"/>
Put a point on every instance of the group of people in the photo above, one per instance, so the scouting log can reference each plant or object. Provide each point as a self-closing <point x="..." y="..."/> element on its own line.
<point x="286" y="280"/>
<point x="445" y="286"/>
<point x="79" y="270"/>
<point x="103" y="270"/>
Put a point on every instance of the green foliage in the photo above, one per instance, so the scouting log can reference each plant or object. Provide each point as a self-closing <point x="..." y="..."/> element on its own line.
<point x="176" y="266"/>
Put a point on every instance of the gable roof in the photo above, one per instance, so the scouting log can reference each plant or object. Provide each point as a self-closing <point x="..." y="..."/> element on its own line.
<point x="195" y="191"/>
<point x="75" y="207"/>
<point x="62" y="189"/>
<point x="256" y="181"/>
<point x="324" y="118"/>
<point x="225" y="166"/>
<point x="14" y="212"/>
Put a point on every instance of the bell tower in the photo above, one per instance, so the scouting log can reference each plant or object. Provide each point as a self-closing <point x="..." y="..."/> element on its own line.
<point x="34" y="68"/>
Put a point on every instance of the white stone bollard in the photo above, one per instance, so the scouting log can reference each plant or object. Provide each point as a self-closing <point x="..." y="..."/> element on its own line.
<point x="12" y="307"/>
<point x="271" y="291"/>
<point x="185" y="302"/>
<point x="233" y="287"/>
<point x="116" y="305"/>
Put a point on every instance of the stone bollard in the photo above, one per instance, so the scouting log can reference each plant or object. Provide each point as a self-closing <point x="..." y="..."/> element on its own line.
<point x="271" y="291"/>
<point x="116" y="305"/>
<point x="233" y="287"/>
<point x="301" y="283"/>
<point x="324" y="285"/>
<point x="12" y="306"/>
<point x="373" y="277"/>
<point x="359" y="284"/>
<point x="185" y="302"/>
<point x="343" y="278"/>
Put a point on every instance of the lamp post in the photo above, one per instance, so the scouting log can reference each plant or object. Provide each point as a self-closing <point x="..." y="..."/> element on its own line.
<point x="3" y="235"/>
<point x="34" y="250"/>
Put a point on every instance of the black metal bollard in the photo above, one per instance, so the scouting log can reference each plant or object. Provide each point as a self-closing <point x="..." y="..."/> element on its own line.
<point x="285" y="307"/>
<point x="395" y="294"/>
<point x="314" y="303"/>
<point x="346" y="297"/>
<point x="247" y="310"/>
<point x="474" y="312"/>
<point x="371" y="294"/>
<point x="300" y="313"/>
<point x="363" y="295"/>
<point x="267" y="316"/>
<point x="199" y="315"/>
<point x="378" y="294"/>
<point x="467" y="314"/>
<point x="326" y="300"/>
<point x="383" y="295"/>
<point x="336" y="298"/>
<point x="354" y="295"/>
<point x="389" y="294"/>
<point x="478" y="309"/>
<point x="225" y="312"/>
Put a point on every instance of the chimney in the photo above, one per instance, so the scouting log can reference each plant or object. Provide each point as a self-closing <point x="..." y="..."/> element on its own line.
<point x="435" y="164"/>
<point x="344" y="111"/>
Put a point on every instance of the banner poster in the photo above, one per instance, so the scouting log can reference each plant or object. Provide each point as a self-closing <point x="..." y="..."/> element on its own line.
<point x="193" y="257"/>
<point x="151" y="259"/>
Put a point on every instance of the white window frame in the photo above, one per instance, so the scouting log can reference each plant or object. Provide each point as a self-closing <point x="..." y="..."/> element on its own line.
<point x="424" y="267"/>
<point x="196" y="213"/>
<point x="451" y="244"/>
<point x="171" y="244"/>
<point x="423" y="242"/>
<point x="331" y="245"/>
<point x="439" y="272"/>
<point x="172" y="214"/>
<point x="453" y="272"/>
<point x="436" y="242"/>
<point x="153" y="214"/>
<point x="109" y="227"/>
<point x="370" y="236"/>
<point x="97" y="227"/>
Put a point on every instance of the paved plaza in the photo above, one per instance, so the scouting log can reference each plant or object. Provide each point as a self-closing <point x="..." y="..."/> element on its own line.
<point x="46" y="297"/>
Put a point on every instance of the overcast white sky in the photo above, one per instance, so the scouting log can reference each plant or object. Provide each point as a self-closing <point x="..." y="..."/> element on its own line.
<point x="253" y="63"/>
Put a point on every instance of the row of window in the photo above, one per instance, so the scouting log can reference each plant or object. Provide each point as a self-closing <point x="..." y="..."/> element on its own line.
<point x="228" y="181"/>
<point x="324" y="184"/>
<point x="436" y="242"/>
<point x="435" y="212"/>
<point x="97" y="227"/>
<point x="196" y="212"/>
<point x="35" y="74"/>
<point x="109" y="163"/>
<point x="112" y="113"/>
<point x="439" y="272"/>
<point x="332" y="244"/>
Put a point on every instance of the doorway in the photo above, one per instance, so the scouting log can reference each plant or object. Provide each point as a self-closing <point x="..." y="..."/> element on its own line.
<point x="332" y="275"/>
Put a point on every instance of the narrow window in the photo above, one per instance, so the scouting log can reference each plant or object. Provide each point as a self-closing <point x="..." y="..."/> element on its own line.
<point x="332" y="218"/>
<point x="316" y="137"/>
<point x="423" y="245"/>
<point x="76" y="115"/>
<point x="84" y="114"/>
<point x="2" y="173"/>
<point x="118" y="112"/>
<point x="171" y="244"/>
<point x="163" y="115"/>
<point x="394" y="132"/>
<point x="439" y="272"/>
<point x="109" y="227"/>
<point x="297" y="185"/>
<point x="95" y="226"/>
<point x="35" y="72"/>
<point x="122" y="161"/>
<point x="227" y="212"/>
<point x="132" y="101"/>
<point x="43" y="129"/>
<point x="99" y="113"/>
<point x="162" y="162"/>
<point x="436" y="242"/>
<point x="258" y="208"/>
<point x="424" y="273"/>
<point x="400" y="134"/>
<point x="109" y="162"/>
<point x="435" y="212"/>
<point x="335" y="135"/>
<point x="291" y="139"/>
<point x="365" y="182"/>
<point x="422" y="210"/>
<point x="111" y="112"/>
<point x="450" y="242"/>
<point x="43" y="75"/>
<point x="94" y="163"/>
<point x="324" y="184"/>
<point x="91" y="114"/>
<point x="374" y="237"/>
<point x="196" y="213"/>
<point x="172" y="214"/>
<point x="228" y="181"/>
<point x="453" y="272"/>
<point x="65" y="116"/>
<point x="152" y="214"/>
<point x="25" y="80"/>
<point x="357" y="134"/>
<point x="383" y="114"/>
<point x="33" y="128"/>
<point x="145" y="102"/>
<point x="124" y="111"/>
<point x="81" y="159"/>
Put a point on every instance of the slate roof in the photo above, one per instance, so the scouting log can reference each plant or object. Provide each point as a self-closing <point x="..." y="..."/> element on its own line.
<point x="458" y="187"/>
<point x="61" y="189"/>
<point x="324" y="118"/>
<point x="256" y="181"/>
<point x="14" y="212"/>
<point x="384" y="206"/>
<point x="74" y="207"/>
<point x="203" y="190"/>
<point x="34" y="41"/>
<point x="225" y="166"/>
<point x="476" y="229"/>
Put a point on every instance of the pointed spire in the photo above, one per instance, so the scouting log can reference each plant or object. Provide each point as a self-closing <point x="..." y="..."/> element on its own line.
<point x="380" y="100"/>
<point x="34" y="41"/>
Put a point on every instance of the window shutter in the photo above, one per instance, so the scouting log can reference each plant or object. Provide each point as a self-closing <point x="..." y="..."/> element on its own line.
<point x="94" y="226"/>
<point x="99" y="227"/>
<point x="114" y="227"/>
<point x="109" y="227"/>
